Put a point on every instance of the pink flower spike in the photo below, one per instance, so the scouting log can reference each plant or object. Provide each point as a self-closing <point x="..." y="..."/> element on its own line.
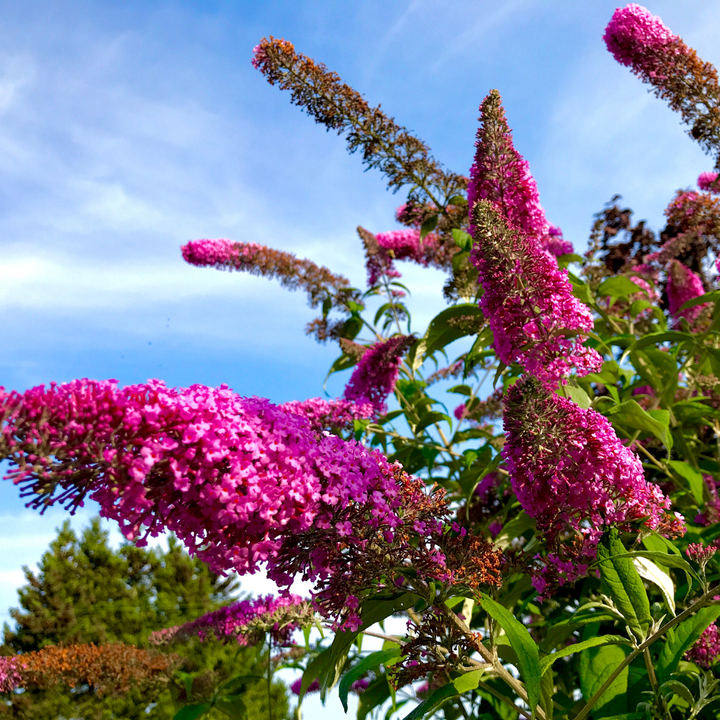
<point x="375" y="375"/>
<point x="683" y="285"/>
<point x="632" y="32"/>
<point x="528" y="301"/>
<point x="569" y="469"/>
<point x="709" y="181"/>
<point x="501" y="175"/>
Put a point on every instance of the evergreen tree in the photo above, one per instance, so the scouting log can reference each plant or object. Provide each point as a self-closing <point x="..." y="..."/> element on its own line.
<point x="87" y="592"/>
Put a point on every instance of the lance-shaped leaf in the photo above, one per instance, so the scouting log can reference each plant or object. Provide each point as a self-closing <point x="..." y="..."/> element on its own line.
<point x="525" y="647"/>
<point x="624" y="585"/>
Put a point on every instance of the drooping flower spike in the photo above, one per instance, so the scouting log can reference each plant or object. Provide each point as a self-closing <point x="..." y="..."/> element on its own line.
<point x="231" y="476"/>
<point x="245" y="622"/>
<point x="641" y="41"/>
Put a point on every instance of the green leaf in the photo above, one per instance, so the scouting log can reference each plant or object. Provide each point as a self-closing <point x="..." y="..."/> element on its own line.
<point x="441" y="332"/>
<point x="358" y="670"/>
<point x="375" y="695"/>
<point x="624" y="584"/>
<point x="464" y="683"/>
<point x="428" y="226"/>
<point x="693" y="477"/>
<point x="567" y="258"/>
<point x="706" y="298"/>
<point x="651" y="572"/>
<point x="525" y="647"/>
<point x="638" y="306"/>
<point x="468" y="681"/>
<point x="659" y="369"/>
<point x="312" y="672"/>
<point x="596" y="665"/>
<point x="674" y="561"/>
<point x="190" y="712"/>
<point x="430" y="419"/>
<point x="682" y="637"/>
<point x="233" y="707"/>
<point x="577" y="395"/>
<point x="630" y="415"/>
<point x="547" y="691"/>
<point x="371" y="611"/>
<point x="458" y="200"/>
<point x="462" y="239"/>
<point x="617" y="287"/>
<point x="581" y="290"/>
<point x="672" y="336"/>
<point x="548" y="660"/>
<point x="431" y="704"/>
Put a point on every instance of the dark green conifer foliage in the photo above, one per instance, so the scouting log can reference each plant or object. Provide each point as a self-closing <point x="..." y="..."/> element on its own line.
<point x="86" y="591"/>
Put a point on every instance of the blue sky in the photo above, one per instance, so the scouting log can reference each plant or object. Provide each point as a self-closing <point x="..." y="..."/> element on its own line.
<point x="127" y="129"/>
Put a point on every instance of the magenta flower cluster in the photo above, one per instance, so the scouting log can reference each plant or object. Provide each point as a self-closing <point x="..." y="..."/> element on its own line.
<point x="213" y="253"/>
<point x="232" y="477"/>
<point x="241" y="620"/>
<point x="10" y="677"/>
<point x="683" y="285"/>
<point x="707" y="649"/>
<point x="402" y="244"/>
<point x="633" y="35"/>
<point x="529" y="302"/>
<point x="556" y="244"/>
<point x="569" y="470"/>
<point x="709" y="181"/>
<point x="501" y="175"/>
<point x="376" y="373"/>
<point x="335" y="414"/>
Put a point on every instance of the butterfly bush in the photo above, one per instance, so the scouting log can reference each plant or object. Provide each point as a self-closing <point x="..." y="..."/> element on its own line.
<point x="528" y="301"/>
<point x="570" y="471"/>
<point x="501" y="175"/>
<point x="707" y="649"/>
<point x="376" y="373"/>
<point x="256" y="259"/>
<point x="107" y="668"/>
<point x="556" y="244"/>
<point x="384" y="248"/>
<point x="230" y="476"/>
<point x="245" y="622"/>
<point x="683" y="285"/>
<point x="10" y="674"/>
<point x="709" y="181"/>
<point x="641" y="41"/>
<point x="633" y="34"/>
<point x="335" y="414"/>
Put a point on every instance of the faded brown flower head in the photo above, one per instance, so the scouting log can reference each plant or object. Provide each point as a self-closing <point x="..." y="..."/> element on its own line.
<point x="107" y="668"/>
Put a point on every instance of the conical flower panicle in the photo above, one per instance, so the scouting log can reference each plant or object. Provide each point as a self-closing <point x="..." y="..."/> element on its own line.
<point x="335" y="414"/>
<point x="569" y="469"/>
<point x="500" y="174"/>
<point x="528" y="301"/>
<point x="383" y="249"/>
<point x="683" y="285"/>
<point x="376" y="373"/>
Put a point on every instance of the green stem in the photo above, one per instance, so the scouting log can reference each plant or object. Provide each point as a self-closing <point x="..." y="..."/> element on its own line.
<point x="640" y="648"/>
<point x="502" y="698"/>
<point x="659" y="698"/>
